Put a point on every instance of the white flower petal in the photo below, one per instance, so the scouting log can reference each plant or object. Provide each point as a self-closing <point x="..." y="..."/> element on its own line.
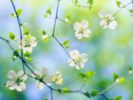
<point x="71" y="63"/>
<point x="113" y="25"/>
<point x="104" y="24"/>
<point x="20" y="74"/>
<point x="86" y="33"/>
<point x="78" y="35"/>
<point x="11" y="74"/>
<point x="74" y="54"/>
<point x="39" y="85"/>
<point x="84" y="57"/>
<point x="20" y="87"/>
<point x="84" y="24"/>
<point x="13" y="87"/>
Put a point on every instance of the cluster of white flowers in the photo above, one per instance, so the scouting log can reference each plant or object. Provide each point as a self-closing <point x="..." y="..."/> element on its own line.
<point x="28" y="42"/>
<point x="42" y="76"/>
<point x="107" y="21"/>
<point x="57" y="78"/>
<point x="77" y="60"/>
<point x="16" y="80"/>
<point x="82" y="29"/>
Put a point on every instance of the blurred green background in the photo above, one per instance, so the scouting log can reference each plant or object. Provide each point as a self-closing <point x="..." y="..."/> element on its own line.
<point x="109" y="51"/>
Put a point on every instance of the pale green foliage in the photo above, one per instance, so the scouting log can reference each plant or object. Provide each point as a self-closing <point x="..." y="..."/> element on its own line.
<point x="12" y="36"/>
<point x="66" y="44"/>
<point x="118" y="3"/>
<point x="18" y="11"/>
<point x="48" y="13"/>
<point x="118" y="98"/>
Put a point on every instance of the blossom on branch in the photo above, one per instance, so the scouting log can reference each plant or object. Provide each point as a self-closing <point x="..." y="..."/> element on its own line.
<point x="57" y="78"/>
<point x="107" y="21"/>
<point x="42" y="76"/>
<point x="28" y="42"/>
<point x="16" y="80"/>
<point x="82" y="29"/>
<point x="77" y="60"/>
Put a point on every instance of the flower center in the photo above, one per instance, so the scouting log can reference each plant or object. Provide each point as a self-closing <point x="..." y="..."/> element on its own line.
<point x="18" y="80"/>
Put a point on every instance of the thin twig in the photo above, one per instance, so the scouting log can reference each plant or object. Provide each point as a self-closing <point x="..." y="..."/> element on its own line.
<point x="56" y="16"/>
<point x="20" y="31"/>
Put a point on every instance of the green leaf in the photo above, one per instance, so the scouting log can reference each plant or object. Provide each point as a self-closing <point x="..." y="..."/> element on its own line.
<point x="94" y="93"/>
<point x="118" y="98"/>
<point x="45" y="98"/>
<point x="121" y="80"/>
<point x="48" y="13"/>
<point x="87" y="94"/>
<point x="89" y="74"/>
<point x="75" y="1"/>
<point x="66" y="44"/>
<point x="68" y="19"/>
<point x="26" y="30"/>
<point x="12" y="36"/>
<point x="12" y="0"/>
<point x="13" y="15"/>
<point x="29" y="59"/>
<point x="130" y="70"/>
<point x="15" y="55"/>
<point x="118" y="3"/>
<point x="19" y="11"/>
<point x="65" y="89"/>
<point x="27" y="54"/>
<point x="111" y="98"/>
<point x="131" y="11"/>
<point x="115" y="76"/>
<point x="44" y="32"/>
<point x="90" y="2"/>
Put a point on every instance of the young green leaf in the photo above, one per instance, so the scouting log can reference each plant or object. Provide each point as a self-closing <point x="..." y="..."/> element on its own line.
<point x="66" y="44"/>
<point x="48" y="13"/>
<point x="65" y="89"/>
<point x="131" y="11"/>
<point x="130" y="70"/>
<point x="118" y="98"/>
<point x="26" y="30"/>
<point x="89" y="74"/>
<point x="87" y="94"/>
<point x="94" y="93"/>
<point x="121" y="80"/>
<point x="68" y="19"/>
<point x="12" y="36"/>
<point x="45" y="98"/>
<point x="15" y="55"/>
<point x="90" y="2"/>
<point x="118" y="3"/>
<point x="27" y="54"/>
<point x="44" y="32"/>
<point x="115" y="76"/>
<point x="19" y="12"/>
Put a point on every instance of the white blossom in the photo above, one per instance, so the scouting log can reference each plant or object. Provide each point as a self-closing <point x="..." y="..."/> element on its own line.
<point x="82" y="29"/>
<point x="77" y="60"/>
<point x="16" y="80"/>
<point x="43" y="76"/>
<point x="57" y="78"/>
<point x="107" y="21"/>
<point x="28" y="42"/>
